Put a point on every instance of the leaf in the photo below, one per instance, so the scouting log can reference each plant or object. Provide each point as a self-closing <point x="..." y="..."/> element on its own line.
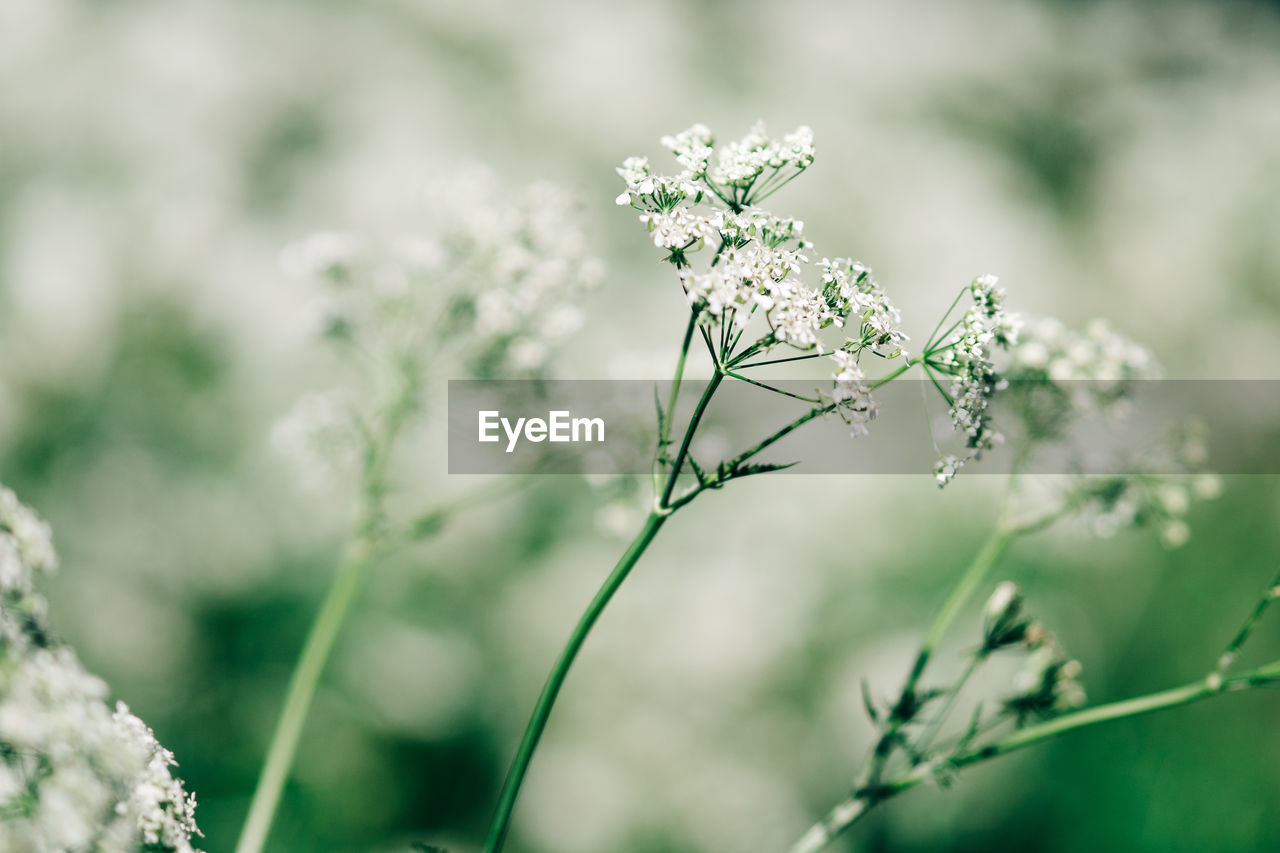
<point x="698" y="472"/>
<point x="759" y="468"/>
<point x="428" y="524"/>
<point x="868" y="702"/>
<point x="662" y="418"/>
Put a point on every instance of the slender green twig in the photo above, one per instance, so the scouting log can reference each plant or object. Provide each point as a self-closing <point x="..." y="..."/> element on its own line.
<point x="766" y="386"/>
<point x="501" y="823"/>
<point x="673" y="397"/>
<point x="853" y="808"/>
<point x="432" y="519"/>
<point x="932" y="335"/>
<point x="904" y="709"/>
<point x="663" y="508"/>
<point x="777" y="186"/>
<point x="551" y="689"/>
<point x="1233" y="648"/>
<point x="302" y="689"/>
<point x="766" y="443"/>
<point x="782" y="360"/>
<point x="676" y="464"/>
<point x="872" y="790"/>
<point x="939" y="719"/>
<point x="324" y="631"/>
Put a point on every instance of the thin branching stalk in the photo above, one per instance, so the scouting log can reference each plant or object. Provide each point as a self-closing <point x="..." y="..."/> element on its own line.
<point x="872" y="789"/>
<point x="852" y="809"/>
<point x="666" y="503"/>
<point x="673" y="396"/>
<point x="904" y="709"/>
<point x="682" y="454"/>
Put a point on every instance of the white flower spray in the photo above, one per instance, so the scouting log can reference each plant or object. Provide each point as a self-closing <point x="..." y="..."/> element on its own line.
<point x="75" y="774"/>
<point x="742" y="269"/>
<point x="489" y="286"/>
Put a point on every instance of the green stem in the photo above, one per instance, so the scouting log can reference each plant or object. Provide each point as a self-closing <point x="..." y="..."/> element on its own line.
<point x="992" y="550"/>
<point x="905" y="708"/>
<point x="551" y="689"/>
<point x="664" y="435"/>
<point x="769" y="387"/>
<point x="705" y="400"/>
<point x="1229" y="655"/>
<point x="939" y="719"/>
<point x="542" y="710"/>
<point x="781" y="360"/>
<point x="430" y="521"/>
<point x="929" y="341"/>
<point x="302" y="689"/>
<point x="852" y="809"/>
<point x="763" y="445"/>
<point x="663" y="509"/>
<point x="329" y="619"/>
<point x="679" y="375"/>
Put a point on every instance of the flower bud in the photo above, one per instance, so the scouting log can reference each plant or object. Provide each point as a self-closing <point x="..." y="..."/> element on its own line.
<point x="1003" y="621"/>
<point x="1046" y="686"/>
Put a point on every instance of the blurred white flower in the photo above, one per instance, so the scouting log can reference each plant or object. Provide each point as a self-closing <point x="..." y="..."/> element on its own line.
<point x="74" y="774"/>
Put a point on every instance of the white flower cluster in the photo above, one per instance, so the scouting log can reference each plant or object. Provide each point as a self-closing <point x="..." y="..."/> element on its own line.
<point x="740" y="164"/>
<point x="165" y="812"/>
<point x="739" y="172"/>
<point x="26" y="545"/>
<point x="758" y="257"/>
<point x="1154" y="488"/>
<point x="1098" y="354"/>
<point x="495" y="276"/>
<point x="1089" y="372"/>
<point x="74" y="774"/>
<point x="1057" y="375"/>
<point x="648" y="191"/>
<point x="851" y="395"/>
<point x="318" y="436"/>
<point x="967" y="355"/>
<point x="852" y="292"/>
<point x="1110" y="504"/>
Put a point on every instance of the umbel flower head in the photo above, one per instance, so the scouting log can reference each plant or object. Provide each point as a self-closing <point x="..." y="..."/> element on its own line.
<point x="493" y="277"/>
<point x="967" y="353"/>
<point x="755" y="260"/>
<point x="746" y="273"/>
<point x="490" y="283"/>
<point x="75" y="774"/>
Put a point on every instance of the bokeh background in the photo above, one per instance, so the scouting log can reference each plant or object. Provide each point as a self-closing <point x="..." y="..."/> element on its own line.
<point x="1105" y="158"/>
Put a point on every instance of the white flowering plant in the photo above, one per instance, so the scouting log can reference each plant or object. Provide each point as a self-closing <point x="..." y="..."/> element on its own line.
<point x="741" y="268"/>
<point x="488" y="284"/>
<point x="490" y="288"/>
<point x="76" y="773"/>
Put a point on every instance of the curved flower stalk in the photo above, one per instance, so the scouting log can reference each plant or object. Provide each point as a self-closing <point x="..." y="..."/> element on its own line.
<point x="1047" y="691"/>
<point x="1042" y="705"/>
<point x="75" y="774"/>
<point x="490" y="286"/>
<point x="743" y="270"/>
